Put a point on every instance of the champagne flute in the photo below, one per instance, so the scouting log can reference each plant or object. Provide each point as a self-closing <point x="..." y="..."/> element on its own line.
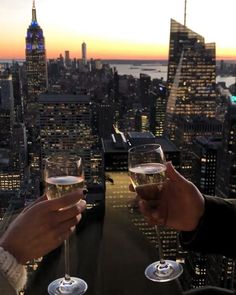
<point x="63" y="174"/>
<point x="147" y="167"/>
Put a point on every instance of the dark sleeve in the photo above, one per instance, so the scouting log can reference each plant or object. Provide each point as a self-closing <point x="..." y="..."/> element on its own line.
<point x="216" y="232"/>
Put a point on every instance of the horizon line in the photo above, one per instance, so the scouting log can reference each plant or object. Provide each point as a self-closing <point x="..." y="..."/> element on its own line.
<point x="114" y="59"/>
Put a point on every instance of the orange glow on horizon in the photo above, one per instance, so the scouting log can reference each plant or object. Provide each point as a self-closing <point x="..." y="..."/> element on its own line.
<point x="101" y="49"/>
<point x="134" y="32"/>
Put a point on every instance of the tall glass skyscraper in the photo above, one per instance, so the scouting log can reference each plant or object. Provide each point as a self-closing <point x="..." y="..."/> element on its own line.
<point x="191" y="76"/>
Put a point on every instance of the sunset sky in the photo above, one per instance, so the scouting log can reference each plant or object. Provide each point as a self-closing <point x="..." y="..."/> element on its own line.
<point x="122" y="29"/>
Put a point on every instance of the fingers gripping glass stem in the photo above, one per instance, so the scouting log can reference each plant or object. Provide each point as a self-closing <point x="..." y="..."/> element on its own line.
<point x="147" y="167"/>
<point x="64" y="174"/>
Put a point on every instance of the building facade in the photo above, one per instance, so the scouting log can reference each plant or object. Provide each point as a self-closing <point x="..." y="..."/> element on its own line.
<point x="191" y="76"/>
<point x="65" y="126"/>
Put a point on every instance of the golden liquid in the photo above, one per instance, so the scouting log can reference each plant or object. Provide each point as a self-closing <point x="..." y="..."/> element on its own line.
<point x="148" y="173"/>
<point x="61" y="185"/>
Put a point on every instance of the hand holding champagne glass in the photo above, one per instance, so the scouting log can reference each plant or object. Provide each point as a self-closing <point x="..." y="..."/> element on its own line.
<point x="147" y="168"/>
<point x="64" y="174"/>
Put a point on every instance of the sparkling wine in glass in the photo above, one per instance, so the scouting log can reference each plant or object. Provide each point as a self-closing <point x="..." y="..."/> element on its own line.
<point x="64" y="174"/>
<point x="147" y="167"/>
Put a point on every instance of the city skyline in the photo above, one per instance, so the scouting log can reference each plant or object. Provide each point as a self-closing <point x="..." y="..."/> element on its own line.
<point x="129" y="31"/>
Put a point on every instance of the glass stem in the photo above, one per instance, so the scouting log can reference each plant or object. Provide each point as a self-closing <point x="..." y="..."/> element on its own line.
<point x="161" y="256"/>
<point x="67" y="260"/>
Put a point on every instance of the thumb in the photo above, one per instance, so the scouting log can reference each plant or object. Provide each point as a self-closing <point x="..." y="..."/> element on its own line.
<point x="173" y="174"/>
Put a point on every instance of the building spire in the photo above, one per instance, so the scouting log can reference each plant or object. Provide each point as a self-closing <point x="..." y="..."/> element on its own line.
<point x="34" y="17"/>
<point x="185" y="13"/>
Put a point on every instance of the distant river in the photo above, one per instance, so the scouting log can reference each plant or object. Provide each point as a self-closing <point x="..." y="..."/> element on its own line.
<point x="157" y="70"/>
<point x="154" y="70"/>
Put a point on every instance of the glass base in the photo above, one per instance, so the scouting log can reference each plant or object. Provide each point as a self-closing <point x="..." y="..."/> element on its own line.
<point x="74" y="286"/>
<point x="163" y="272"/>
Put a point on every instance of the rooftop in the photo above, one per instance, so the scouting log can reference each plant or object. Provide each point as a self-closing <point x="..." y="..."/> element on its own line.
<point x="122" y="144"/>
<point x="63" y="98"/>
<point x="212" y="142"/>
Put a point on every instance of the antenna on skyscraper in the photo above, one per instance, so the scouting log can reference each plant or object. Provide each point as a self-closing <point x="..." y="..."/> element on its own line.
<point x="34" y="17"/>
<point x="185" y="14"/>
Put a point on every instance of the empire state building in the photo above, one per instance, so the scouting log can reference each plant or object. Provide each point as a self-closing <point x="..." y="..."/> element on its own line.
<point x="36" y="72"/>
<point x="36" y="65"/>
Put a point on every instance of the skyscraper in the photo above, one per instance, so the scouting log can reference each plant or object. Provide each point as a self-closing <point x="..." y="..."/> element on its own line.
<point x="66" y="125"/>
<point x="6" y="110"/>
<point x="191" y="76"/>
<point x="36" y="65"/>
<point x="205" y="163"/>
<point x="145" y="83"/>
<point x="37" y="82"/>
<point x="84" y="53"/>
<point x="191" y="81"/>
<point x="158" y="109"/>
<point x="12" y="147"/>
<point x="67" y="58"/>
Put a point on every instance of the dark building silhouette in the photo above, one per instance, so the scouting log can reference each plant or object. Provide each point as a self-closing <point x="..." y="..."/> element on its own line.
<point x="6" y="110"/>
<point x="105" y="112"/>
<point x="145" y="83"/>
<point x="67" y="59"/>
<point x="204" y="167"/>
<point x="17" y="92"/>
<point x="188" y="128"/>
<point x="226" y="178"/>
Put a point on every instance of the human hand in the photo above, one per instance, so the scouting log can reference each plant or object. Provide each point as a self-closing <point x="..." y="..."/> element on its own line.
<point x="43" y="226"/>
<point x="179" y="204"/>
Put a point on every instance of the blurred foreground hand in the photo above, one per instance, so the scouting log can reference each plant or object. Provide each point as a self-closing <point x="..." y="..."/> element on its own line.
<point x="43" y="226"/>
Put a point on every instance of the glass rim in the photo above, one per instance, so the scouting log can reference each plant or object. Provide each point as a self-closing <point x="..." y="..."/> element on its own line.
<point x="63" y="159"/>
<point x="140" y="147"/>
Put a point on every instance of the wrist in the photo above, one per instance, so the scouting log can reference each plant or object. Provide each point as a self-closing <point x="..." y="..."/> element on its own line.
<point x="198" y="209"/>
<point x="12" y="270"/>
<point x="10" y="248"/>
